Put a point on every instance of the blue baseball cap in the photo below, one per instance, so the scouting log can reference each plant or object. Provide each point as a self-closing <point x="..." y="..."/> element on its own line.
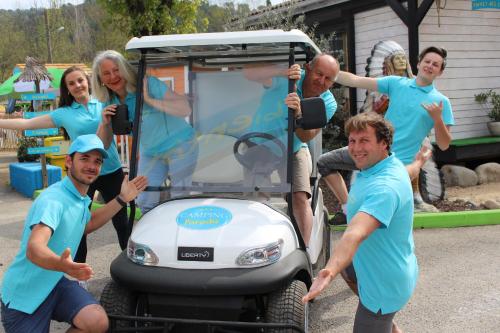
<point x="86" y="143"/>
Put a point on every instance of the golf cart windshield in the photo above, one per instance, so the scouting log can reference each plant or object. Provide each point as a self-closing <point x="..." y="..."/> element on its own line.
<point x="212" y="117"/>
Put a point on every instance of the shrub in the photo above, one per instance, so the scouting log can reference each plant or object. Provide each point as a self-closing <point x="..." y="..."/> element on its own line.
<point x="490" y="99"/>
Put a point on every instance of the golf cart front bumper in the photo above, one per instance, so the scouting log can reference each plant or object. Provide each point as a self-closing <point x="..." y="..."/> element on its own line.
<point x="228" y="281"/>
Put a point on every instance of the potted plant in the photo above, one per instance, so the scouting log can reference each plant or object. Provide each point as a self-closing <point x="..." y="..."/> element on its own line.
<point x="491" y="99"/>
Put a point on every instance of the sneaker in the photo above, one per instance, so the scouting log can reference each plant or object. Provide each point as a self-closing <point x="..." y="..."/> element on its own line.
<point x="83" y="284"/>
<point x="338" y="219"/>
<point x="424" y="207"/>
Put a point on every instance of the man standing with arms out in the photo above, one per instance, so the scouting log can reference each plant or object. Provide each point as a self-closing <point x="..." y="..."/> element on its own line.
<point x="415" y="107"/>
<point x="379" y="237"/>
<point x="34" y="288"/>
<point x="315" y="81"/>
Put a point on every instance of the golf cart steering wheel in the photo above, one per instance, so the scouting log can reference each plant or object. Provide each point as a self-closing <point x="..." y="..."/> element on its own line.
<point x="243" y="158"/>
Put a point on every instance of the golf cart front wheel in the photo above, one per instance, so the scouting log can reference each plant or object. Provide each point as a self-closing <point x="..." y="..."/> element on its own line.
<point x="285" y="306"/>
<point x="117" y="301"/>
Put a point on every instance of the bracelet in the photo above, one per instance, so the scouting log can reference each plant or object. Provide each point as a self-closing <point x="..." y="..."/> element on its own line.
<point x="120" y="201"/>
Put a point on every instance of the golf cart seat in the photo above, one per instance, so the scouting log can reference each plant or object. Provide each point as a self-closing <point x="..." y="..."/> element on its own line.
<point x="216" y="161"/>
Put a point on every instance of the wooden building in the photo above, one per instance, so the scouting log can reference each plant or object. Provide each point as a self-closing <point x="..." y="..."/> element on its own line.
<point x="472" y="38"/>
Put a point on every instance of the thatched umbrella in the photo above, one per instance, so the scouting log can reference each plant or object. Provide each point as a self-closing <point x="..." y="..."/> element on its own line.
<point x="34" y="71"/>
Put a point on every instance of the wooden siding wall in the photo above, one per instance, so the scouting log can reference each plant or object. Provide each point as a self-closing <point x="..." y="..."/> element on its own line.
<point x="373" y="26"/>
<point x="472" y="39"/>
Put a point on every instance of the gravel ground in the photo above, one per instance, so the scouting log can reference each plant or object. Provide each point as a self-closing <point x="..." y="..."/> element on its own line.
<point x="457" y="292"/>
<point x="456" y="198"/>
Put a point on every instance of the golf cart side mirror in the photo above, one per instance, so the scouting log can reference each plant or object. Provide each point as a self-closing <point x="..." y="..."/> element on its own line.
<point x="119" y="122"/>
<point x="313" y="114"/>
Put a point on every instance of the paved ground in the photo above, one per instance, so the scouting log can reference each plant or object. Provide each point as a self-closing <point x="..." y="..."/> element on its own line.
<point x="458" y="290"/>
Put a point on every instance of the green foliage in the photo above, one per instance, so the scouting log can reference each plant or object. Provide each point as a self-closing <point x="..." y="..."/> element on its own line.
<point x="11" y="44"/>
<point x="217" y="17"/>
<point x="87" y="29"/>
<point x="490" y="99"/>
<point x="22" y="149"/>
<point x="155" y="17"/>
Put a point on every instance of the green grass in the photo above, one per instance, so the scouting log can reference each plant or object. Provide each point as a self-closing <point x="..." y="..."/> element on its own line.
<point x="420" y="220"/>
<point x="451" y="219"/>
<point x="475" y="141"/>
<point x="138" y="213"/>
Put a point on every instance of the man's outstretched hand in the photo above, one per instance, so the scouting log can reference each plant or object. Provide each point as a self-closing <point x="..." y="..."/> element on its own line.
<point x="131" y="188"/>
<point x="80" y="271"/>
<point x="319" y="284"/>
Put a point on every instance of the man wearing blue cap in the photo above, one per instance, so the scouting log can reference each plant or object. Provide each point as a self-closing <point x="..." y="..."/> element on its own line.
<point x="35" y="289"/>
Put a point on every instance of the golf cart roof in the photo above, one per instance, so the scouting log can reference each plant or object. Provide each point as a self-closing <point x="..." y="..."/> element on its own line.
<point x="268" y="40"/>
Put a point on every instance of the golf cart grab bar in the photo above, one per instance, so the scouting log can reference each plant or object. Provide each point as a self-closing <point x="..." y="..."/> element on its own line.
<point x="166" y="324"/>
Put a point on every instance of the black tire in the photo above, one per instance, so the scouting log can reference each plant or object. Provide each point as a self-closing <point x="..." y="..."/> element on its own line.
<point x="285" y="306"/>
<point x="324" y="255"/>
<point x="431" y="183"/>
<point x="327" y="239"/>
<point x="118" y="301"/>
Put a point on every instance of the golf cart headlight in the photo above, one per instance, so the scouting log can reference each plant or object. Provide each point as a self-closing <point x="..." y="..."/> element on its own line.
<point x="261" y="256"/>
<point x="141" y="254"/>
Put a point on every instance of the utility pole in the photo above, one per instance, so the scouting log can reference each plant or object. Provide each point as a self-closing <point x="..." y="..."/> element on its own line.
<point x="47" y="34"/>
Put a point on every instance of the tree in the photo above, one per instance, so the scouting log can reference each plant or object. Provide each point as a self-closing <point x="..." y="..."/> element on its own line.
<point x="11" y="42"/>
<point x="218" y="17"/>
<point x="155" y="17"/>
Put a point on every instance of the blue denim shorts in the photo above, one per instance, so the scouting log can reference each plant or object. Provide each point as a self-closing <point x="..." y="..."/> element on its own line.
<point x="62" y="304"/>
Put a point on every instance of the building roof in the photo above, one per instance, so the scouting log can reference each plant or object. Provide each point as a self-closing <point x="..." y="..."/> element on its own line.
<point x="86" y="68"/>
<point x="299" y="6"/>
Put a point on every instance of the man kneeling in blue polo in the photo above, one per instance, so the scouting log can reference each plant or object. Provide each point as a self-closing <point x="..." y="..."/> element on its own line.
<point x="34" y="288"/>
<point x="379" y="237"/>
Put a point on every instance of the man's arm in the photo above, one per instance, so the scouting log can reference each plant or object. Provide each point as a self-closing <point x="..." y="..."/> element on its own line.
<point x="170" y="103"/>
<point x="41" y="255"/>
<point x="422" y="156"/>
<point x="129" y="191"/>
<point x="265" y="74"/>
<point x="441" y="131"/>
<point x="351" y="80"/>
<point x="361" y="226"/>
<point x="306" y="135"/>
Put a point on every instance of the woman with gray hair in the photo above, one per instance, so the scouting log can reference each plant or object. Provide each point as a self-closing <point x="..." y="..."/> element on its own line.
<point x="167" y="142"/>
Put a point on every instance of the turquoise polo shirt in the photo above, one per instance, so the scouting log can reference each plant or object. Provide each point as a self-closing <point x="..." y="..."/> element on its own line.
<point x="411" y="121"/>
<point x="62" y="208"/>
<point x="272" y="115"/>
<point x="160" y="131"/>
<point x="385" y="262"/>
<point x="78" y="120"/>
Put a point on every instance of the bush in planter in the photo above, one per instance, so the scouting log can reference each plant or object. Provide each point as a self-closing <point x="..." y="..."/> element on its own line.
<point x="492" y="98"/>
<point x="22" y="150"/>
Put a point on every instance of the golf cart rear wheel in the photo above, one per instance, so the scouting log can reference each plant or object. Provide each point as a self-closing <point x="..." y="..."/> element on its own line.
<point x="118" y="301"/>
<point x="285" y="306"/>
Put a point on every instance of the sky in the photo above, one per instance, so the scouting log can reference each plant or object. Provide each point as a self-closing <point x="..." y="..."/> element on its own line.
<point x="26" y="4"/>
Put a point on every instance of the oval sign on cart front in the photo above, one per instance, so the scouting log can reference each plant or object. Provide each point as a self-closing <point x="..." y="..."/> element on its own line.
<point x="204" y="217"/>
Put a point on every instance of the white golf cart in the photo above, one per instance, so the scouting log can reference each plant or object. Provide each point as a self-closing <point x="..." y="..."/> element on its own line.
<point x="221" y="252"/>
